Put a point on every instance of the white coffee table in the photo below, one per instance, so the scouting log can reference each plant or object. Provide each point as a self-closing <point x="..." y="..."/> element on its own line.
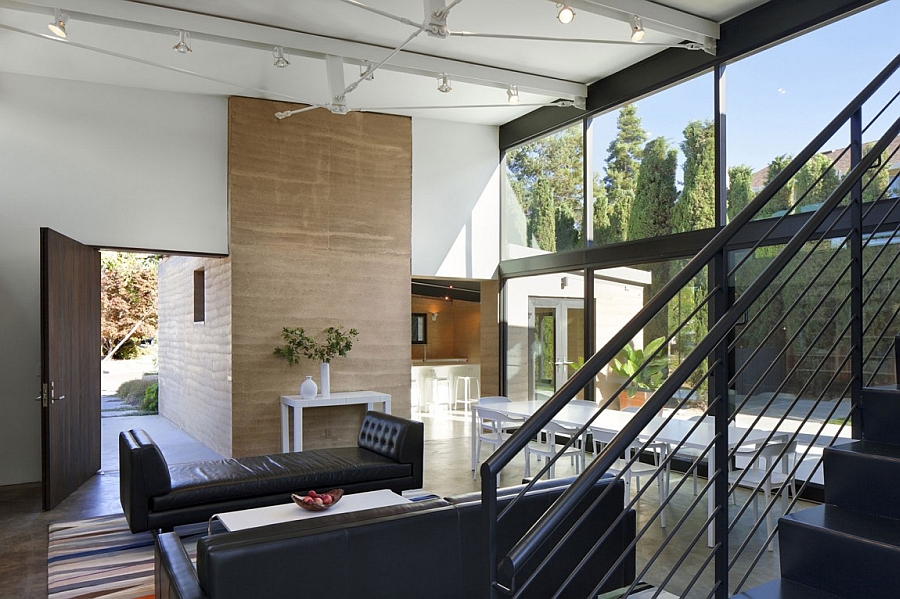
<point x="273" y="514"/>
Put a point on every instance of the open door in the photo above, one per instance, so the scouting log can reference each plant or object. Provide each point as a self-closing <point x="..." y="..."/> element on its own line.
<point x="70" y="364"/>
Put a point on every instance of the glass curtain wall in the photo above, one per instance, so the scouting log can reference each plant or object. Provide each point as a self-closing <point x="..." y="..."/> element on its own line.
<point x="654" y="165"/>
<point x="544" y="194"/>
<point x="779" y="99"/>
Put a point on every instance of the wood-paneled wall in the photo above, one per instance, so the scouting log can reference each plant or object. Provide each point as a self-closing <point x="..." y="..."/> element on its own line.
<point x="320" y="235"/>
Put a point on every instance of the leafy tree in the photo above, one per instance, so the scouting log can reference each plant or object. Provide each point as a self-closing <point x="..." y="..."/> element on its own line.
<point x="696" y="206"/>
<point x="542" y="217"/>
<point x="622" y="163"/>
<point x="128" y="302"/>
<point x="651" y="216"/>
<point x="602" y="233"/>
<point x="651" y="213"/>
<point x="816" y="179"/>
<point x="875" y="181"/>
<point x="782" y="200"/>
<point x="558" y="160"/>
<point x="739" y="190"/>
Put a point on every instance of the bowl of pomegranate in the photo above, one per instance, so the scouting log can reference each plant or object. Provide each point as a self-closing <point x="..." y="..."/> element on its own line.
<point x="317" y="502"/>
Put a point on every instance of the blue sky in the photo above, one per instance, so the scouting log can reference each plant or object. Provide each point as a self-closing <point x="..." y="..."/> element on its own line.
<point x="779" y="99"/>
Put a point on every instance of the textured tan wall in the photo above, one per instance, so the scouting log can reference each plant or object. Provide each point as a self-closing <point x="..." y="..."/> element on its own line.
<point x="195" y="359"/>
<point x="320" y="236"/>
<point x="490" y="338"/>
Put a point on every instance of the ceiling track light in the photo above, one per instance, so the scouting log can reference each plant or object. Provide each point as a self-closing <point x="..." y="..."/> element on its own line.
<point x="58" y="24"/>
<point x="444" y="83"/>
<point x="280" y="60"/>
<point x="637" y="29"/>
<point x="565" y="14"/>
<point x="512" y="94"/>
<point x="182" y="46"/>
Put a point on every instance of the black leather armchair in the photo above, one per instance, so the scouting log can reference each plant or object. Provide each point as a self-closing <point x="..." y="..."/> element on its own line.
<point x="428" y="549"/>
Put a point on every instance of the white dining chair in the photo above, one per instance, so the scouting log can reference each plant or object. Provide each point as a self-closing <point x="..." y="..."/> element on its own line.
<point x="492" y="427"/>
<point x="762" y="472"/>
<point x="548" y="445"/>
<point x="638" y="469"/>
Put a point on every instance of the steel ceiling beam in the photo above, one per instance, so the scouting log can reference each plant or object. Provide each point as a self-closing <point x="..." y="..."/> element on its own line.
<point x="163" y="21"/>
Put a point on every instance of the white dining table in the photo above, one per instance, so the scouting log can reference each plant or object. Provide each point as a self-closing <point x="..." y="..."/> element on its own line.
<point x="613" y="421"/>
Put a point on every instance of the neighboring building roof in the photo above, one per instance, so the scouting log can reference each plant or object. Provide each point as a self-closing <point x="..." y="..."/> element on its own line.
<point x="758" y="179"/>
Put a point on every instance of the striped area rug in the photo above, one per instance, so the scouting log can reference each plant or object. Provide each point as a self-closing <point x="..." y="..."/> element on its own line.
<point x="101" y="558"/>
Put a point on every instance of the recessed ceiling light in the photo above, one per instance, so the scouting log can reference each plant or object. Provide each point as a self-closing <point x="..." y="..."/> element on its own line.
<point x="58" y="24"/>
<point x="565" y="14"/>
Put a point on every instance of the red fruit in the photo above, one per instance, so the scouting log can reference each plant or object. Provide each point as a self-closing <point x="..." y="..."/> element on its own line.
<point x="307" y="499"/>
<point x="313" y="493"/>
<point x="319" y="501"/>
<point x="327" y="499"/>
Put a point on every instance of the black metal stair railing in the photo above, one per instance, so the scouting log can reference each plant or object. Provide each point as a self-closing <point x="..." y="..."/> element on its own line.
<point x="708" y="548"/>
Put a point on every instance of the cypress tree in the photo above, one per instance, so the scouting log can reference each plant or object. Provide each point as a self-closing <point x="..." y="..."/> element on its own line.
<point x="651" y="214"/>
<point x="622" y="162"/>
<point x="542" y="218"/>
<point x="696" y="206"/>
<point x="739" y="190"/>
<point x="785" y="196"/>
<point x="809" y="188"/>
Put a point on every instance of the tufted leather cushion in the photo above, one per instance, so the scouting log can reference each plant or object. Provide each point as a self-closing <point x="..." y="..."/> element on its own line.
<point x="396" y="438"/>
<point x="155" y="496"/>
<point x="208" y="482"/>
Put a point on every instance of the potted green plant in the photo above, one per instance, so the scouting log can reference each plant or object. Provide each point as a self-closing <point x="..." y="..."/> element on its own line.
<point x="297" y="343"/>
<point x="648" y="379"/>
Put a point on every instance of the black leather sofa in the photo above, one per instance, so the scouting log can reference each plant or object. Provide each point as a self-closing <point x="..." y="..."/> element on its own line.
<point x="432" y="549"/>
<point x="156" y="496"/>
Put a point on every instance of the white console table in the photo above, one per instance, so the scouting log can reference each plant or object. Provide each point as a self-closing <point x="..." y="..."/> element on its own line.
<point x="370" y="398"/>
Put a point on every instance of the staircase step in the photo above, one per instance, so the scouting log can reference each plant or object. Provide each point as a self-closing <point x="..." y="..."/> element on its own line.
<point x="879" y="412"/>
<point x="864" y="476"/>
<point x="852" y="554"/>
<point x="784" y="589"/>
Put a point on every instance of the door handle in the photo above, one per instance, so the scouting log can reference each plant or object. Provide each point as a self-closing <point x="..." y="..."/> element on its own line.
<point x="53" y="392"/>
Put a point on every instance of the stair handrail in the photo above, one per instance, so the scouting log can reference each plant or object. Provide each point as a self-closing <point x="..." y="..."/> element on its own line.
<point x="490" y="469"/>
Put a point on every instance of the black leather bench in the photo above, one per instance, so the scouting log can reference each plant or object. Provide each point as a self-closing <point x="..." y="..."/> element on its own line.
<point x="156" y="496"/>
<point x="433" y="548"/>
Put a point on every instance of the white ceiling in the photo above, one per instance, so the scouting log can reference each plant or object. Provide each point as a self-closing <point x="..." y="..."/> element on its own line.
<point x="130" y="43"/>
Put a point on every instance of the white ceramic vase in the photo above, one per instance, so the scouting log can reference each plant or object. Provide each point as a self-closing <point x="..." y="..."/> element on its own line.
<point x="325" y="379"/>
<point x="308" y="388"/>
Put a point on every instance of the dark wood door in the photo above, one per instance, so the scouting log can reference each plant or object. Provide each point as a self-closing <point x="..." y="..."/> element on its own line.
<point x="70" y="364"/>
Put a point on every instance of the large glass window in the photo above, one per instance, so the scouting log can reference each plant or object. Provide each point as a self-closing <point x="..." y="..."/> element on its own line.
<point x="545" y="195"/>
<point x="653" y="165"/>
<point x="780" y="99"/>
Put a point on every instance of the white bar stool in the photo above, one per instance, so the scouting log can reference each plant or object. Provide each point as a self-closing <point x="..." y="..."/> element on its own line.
<point x="440" y="391"/>
<point x="468" y="397"/>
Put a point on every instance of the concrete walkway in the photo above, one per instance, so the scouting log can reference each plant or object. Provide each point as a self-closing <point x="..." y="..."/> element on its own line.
<point x="177" y="446"/>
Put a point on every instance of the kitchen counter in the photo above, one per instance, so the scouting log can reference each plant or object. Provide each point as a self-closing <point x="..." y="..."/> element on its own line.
<point x="434" y="382"/>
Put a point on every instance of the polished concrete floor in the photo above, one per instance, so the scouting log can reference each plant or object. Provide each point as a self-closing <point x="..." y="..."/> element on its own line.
<point x="23" y="552"/>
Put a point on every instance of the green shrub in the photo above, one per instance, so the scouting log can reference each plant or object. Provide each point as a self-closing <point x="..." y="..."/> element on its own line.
<point x="151" y="398"/>
<point x="133" y="392"/>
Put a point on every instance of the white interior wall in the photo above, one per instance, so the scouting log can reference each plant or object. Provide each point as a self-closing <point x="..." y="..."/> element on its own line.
<point x="456" y="199"/>
<point x="108" y="166"/>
